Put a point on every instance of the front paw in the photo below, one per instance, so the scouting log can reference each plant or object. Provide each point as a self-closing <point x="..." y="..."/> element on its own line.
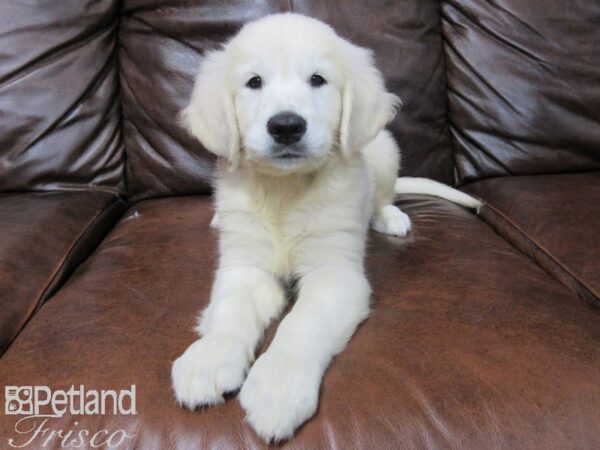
<point x="392" y="221"/>
<point x="210" y="367"/>
<point x="279" y="395"/>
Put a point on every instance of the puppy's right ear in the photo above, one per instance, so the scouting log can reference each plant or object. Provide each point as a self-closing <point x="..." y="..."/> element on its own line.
<point x="210" y="115"/>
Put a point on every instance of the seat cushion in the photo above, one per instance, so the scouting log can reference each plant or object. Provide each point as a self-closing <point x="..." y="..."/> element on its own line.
<point x="469" y="344"/>
<point x="44" y="236"/>
<point x="553" y="218"/>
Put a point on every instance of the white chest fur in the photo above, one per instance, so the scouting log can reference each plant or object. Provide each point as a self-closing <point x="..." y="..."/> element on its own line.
<point x="285" y="221"/>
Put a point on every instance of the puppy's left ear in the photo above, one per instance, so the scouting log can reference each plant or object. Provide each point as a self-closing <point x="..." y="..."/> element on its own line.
<point x="210" y="115"/>
<point x="366" y="106"/>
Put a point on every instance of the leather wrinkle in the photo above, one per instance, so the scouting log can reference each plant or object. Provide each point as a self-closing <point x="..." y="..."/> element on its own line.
<point x="543" y="54"/>
<point x="167" y="162"/>
<point x="458" y="130"/>
<point x="152" y="119"/>
<point x="498" y="38"/>
<point x="481" y="78"/>
<point x="163" y="33"/>
<point x="53" y="55"/>
<point x="94" y="83"/>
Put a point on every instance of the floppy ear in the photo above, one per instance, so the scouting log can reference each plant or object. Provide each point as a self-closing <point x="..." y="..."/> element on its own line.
<point x="210" y="115"/>
<point x="366" y="106"/>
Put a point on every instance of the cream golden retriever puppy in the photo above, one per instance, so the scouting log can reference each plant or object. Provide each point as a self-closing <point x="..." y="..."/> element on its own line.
<point x="296" y="116"/>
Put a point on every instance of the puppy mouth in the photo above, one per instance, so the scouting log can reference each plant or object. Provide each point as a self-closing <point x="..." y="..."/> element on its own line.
<point x="288" y="155"/>
<point x="288" y="152"/>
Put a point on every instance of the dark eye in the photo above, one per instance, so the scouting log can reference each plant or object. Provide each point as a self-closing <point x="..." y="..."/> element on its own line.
<point x="317" y="80"/>
<point x="254" y="83"/>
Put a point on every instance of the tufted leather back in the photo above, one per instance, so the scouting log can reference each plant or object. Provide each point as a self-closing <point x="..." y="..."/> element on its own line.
<point x="90" y="90"/>
<point x="161" y="46"/>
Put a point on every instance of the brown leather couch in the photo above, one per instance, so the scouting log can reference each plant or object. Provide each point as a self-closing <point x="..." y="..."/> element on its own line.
<point x="485" y="331"/>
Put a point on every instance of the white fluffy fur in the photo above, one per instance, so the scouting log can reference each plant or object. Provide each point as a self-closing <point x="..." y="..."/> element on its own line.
<point x="302" y="219"/>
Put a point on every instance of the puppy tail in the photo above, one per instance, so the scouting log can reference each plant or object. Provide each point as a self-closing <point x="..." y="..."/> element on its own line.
<point x="425" y="186"/>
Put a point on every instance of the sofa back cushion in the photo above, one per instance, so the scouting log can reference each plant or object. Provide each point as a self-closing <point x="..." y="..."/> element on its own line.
<point x="161" y="47"/>
<point x="59" y="105"/>
<point x="523" y="86"/>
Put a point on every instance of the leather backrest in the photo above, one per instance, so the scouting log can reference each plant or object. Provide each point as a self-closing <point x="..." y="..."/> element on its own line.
<point x="161" y="46"/>
<point x="59" y="105"/>
<point x="523" y="86"/>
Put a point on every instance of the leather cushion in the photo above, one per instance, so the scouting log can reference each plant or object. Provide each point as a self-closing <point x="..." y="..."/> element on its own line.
<point x="44" y="236"/>
<point x="523" y="93"/>
<point x="161" y="44"/>
<point x="59" y="104"/>
<point x="553" y="218"/>
<point x="469" y="344"/>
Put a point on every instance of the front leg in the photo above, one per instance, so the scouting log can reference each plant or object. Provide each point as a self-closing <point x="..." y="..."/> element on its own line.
<point x="243" y="301"/>
<point x="282" y="388"/>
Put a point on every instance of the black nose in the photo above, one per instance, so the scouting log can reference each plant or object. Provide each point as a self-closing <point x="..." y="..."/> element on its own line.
<point x="286" y="128"/>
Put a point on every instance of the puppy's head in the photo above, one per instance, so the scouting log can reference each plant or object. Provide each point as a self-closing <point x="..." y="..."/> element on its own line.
<point x="287" y="94"/>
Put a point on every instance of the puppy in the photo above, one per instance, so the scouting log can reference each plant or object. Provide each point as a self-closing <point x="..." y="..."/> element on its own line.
<point x="296" y="116"/>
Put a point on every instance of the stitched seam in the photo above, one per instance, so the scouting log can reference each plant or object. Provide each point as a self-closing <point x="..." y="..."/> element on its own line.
<point x="56" y="275"/>
<point x="551" y="258"/>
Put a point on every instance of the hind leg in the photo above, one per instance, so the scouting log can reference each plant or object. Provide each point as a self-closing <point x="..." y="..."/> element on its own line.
<point x="383" y="159"/>
<point x="391" y="220"/>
